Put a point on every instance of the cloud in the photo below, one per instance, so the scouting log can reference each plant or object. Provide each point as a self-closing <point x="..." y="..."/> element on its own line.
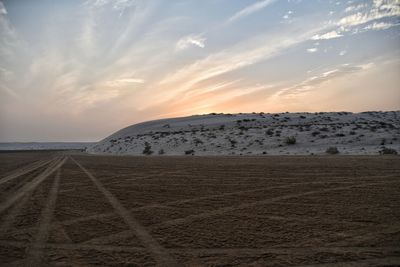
<point x="312" y="50"/>
<point x="123" y="82"/>
<point x="327" y="36"/>
<point x="380" y="26"/>
<point x="288" y="14"/>
<point x="355" y="8"/>
<point x="326" y="76"/>
<point x="379" y="10"/>
<point x="246" y="53"/>
<point x="114" y="4"/>
<point x="250" y="10"/>
<point x="3" y="10"/>
<point x="190" y="40"/>
<point x="232" y="58"/>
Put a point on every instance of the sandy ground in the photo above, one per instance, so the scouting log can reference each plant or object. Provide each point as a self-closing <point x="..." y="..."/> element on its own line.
<point x="64" y="209"/>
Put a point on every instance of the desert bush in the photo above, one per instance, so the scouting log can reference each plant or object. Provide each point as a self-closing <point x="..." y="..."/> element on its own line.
<point x="197" y="141"/>
<point x="332" y="150"/>
<point x="233" y="142"/>
<point x="212" y="135"/>
<point x="291" y="140"/>
<point x="189" y="152"/>
<point x="388" y="151"/>
<point x="161" y="152"/>
<point x="147" y="149"/>
<point x="269" y="132"/>
<point x="260" y="142"/>
<point x="315" y="133"/>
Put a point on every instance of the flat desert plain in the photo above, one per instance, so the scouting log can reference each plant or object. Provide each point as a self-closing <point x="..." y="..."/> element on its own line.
<point x="71" y="209"/>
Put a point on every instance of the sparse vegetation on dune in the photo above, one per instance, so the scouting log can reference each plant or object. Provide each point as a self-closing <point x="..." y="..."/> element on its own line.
<point x="255" y="133"/>
<point x="291" y="140"/>
<point x="147" y="149"/>
<point x="388" y="151"/>
<point x="332" y="150"/>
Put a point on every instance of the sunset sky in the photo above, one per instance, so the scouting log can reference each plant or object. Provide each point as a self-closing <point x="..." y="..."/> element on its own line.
<point x="80" y="70"/>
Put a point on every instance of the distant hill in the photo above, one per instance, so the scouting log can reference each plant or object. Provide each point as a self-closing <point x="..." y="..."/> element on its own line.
<point x="16" y="146"/>
<point x="259" y="134"/>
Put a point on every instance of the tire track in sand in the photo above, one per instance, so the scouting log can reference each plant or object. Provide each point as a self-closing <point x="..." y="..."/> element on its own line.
<point x="388" y="261"/>
<point x="160" y="254"/>
<point x="14" y="212"/>
<point x="224" y="210"/>
<point x="53" y="166"/>
<point x="24" y="170"/>
<point x="214" y="251"/>
<point x="36" y="250"/>
<point x="116" y="236"/>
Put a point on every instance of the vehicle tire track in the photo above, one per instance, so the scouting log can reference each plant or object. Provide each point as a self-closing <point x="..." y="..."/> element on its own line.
<point x="24" y="170"/>
<point x="14" y="212"/>
<point x="36" y="250"/>
<point x="123" y="234"/>
<point x="224" y="210"/>
<point x="116" y="236"/>
<point x="285" y="250"/>
<point x="166" y="205"/>
<point x="388" y="261"/>
<point x="189" y="200"/>
<point x="160" y="254"/>
<point x="53" y="166"/>
<point x="183" y="201"/>
<point x="233" y="251"/>
<point x="73" y="260"/>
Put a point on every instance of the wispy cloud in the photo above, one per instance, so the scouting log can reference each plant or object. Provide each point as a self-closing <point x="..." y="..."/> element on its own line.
<point x="238" y="56"/>
<point x="326" y="76"/>
<point x="124" y="82"/>
<point x="327" y="36"/>
<point x="379" y="10"/>
<point x="380" y="26"/>
<point x="242" y="55"/>
<point x="250" y="10"/>
<point x="288" y="14"/>
<point x="355" y="7"/>
<point x="190" y="40"/>
<point x="3" y="10"/>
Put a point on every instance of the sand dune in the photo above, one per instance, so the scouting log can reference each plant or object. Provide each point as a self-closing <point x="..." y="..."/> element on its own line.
<point x="259" y="134"/>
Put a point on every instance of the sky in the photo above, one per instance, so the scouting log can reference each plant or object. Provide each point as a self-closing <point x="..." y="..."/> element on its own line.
<point x="80" y="70"/>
